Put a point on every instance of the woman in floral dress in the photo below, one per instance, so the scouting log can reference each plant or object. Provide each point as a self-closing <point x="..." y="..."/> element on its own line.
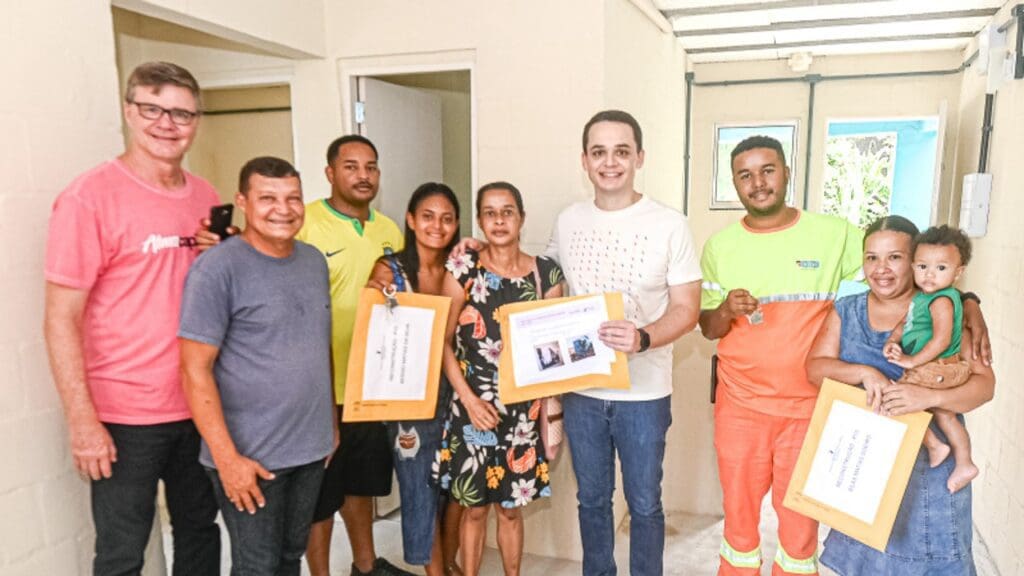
<point x="491" y="455"/>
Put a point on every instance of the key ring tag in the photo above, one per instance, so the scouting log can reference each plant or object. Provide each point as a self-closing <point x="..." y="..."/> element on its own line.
<point x="389" y="297"/>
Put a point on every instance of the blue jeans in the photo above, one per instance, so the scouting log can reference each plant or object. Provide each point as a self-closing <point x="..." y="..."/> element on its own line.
<point x="596" y="429"/>
<point x="123" y="505"/>
<point x="271" y="541"/>
<point x="419" y="494"/>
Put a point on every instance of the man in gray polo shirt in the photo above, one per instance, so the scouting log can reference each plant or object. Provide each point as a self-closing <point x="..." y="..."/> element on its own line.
<point x="255" y="353"/>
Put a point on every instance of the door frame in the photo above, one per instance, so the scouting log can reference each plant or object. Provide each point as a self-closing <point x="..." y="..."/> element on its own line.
<point x="281" y="75"/>
<point x="350" y="69"/>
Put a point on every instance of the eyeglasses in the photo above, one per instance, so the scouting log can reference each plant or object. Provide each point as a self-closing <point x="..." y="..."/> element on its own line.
<point x="153" y="112"/>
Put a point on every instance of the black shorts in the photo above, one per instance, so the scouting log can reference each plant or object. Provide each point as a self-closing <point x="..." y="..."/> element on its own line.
<point x="361" y="466"/>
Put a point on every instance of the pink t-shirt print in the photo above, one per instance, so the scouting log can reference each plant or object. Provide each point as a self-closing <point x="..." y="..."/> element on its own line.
<point x="130" y="245"/>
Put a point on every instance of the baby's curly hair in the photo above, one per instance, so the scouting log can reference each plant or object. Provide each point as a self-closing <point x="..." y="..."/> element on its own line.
<point x="946" y="236"/>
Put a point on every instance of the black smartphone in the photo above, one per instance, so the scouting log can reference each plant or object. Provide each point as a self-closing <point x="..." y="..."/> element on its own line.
<point x="220" y="219"/>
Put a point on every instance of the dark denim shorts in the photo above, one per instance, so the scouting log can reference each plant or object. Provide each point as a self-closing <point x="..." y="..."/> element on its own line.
<point x="361" y="466"/>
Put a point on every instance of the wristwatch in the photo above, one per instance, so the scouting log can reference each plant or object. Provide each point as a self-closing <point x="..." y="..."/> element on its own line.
<point x="645" y="340"/>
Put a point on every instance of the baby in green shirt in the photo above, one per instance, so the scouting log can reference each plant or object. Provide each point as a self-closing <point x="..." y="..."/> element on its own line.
<point x="927" y="343"/>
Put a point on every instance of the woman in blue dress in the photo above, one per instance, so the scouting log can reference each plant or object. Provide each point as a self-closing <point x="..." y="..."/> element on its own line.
<point x="933" y="530"/>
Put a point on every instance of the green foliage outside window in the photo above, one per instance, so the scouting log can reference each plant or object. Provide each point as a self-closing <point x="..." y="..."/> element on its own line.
<point x="858" y="177"/>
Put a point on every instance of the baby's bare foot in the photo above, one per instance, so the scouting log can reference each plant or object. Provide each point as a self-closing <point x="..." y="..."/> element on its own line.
<point x="937" y="453"/>
<point x="961" y="476"/>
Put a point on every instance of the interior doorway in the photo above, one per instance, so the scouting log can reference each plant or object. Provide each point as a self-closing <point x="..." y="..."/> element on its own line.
<point x="240" y="124"/>
<point x="421" y="123"/>
<point x="420" y="118"/>
<point x="246" y="94"/>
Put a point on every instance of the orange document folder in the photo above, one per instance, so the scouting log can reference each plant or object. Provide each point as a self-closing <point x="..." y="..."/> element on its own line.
<point x="358" y="409"/>
<point x="843" y="454"/>
<point x="511" y="392"/>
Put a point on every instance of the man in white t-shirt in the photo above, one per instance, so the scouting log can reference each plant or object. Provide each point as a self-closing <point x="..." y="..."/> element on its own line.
<point x="622" y="241"/>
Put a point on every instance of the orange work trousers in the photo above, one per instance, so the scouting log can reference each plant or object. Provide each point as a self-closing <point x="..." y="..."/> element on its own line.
<point x="758" y="451"/>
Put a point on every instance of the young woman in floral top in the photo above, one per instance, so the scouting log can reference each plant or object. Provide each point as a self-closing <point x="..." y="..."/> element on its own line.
<point x="491" y="455"/>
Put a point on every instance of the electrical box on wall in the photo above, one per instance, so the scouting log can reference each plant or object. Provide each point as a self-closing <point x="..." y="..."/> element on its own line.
<point x="974" y="204"/>
<point x="991" y="55"/>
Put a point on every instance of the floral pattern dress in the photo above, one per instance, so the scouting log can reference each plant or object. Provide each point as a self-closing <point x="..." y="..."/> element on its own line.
<point x="506" y="465"/>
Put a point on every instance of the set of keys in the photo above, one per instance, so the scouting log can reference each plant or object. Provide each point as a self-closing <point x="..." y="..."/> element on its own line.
<point x="756" y="317"/>
<point x="389" y="299"/>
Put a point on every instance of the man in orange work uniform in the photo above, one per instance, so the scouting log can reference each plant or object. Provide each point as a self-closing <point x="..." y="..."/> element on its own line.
<point x="769" y="282"/>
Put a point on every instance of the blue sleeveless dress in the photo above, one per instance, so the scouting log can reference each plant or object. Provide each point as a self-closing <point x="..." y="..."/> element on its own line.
<point x="933" y="530"/>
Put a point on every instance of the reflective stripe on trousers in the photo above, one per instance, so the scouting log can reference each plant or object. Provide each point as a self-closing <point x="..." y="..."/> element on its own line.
<point x="791" y="565"/>
<point x="739" y="559"/>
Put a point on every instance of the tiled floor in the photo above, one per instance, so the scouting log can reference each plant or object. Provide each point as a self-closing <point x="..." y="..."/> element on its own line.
<point x="691" y="549"/>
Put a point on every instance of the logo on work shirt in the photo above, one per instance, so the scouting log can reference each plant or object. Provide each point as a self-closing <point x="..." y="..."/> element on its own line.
<point x="155" y="243"/>
<point x="808" y="264"/>
<point x="334" y="253"/>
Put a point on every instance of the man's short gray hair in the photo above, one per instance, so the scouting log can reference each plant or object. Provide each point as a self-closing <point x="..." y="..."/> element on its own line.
<point x="158" y="75"/>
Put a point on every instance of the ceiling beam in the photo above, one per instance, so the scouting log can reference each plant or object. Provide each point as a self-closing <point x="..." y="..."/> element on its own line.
<point x="830" y="42"/>
<point x="835" y="22"/>
<point x="756" y="6"/>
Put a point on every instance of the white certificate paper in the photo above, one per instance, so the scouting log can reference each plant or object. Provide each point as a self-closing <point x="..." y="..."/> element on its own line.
<point x="854" y="460"/>
<point x="559" y="342"/>
<point x="396" y="365"/>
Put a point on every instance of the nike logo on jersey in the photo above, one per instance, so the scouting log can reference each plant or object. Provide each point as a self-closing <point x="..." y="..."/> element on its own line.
<point x="329" y="254"/>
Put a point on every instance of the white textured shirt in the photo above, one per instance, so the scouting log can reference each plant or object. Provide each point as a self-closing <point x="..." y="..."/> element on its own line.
<point x="638" y="251"/>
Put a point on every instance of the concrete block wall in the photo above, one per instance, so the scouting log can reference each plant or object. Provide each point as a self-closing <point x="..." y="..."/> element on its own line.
<point x="996" y="272"/>
<point x="61" y="116"/>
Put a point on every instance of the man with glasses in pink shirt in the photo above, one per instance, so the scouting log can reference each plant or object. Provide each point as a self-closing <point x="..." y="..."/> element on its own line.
<point x="122" y="237"/>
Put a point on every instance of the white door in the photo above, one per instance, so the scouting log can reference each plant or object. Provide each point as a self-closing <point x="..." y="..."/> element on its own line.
<point x="936" y="217"/>
<point x="405" y="126"/>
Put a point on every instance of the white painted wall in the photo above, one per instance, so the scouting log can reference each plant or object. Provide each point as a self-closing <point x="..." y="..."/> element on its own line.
<point x="215" y="62"/>
<point x="293" y="29"/>
<point x="61" y="112"/>
<point x="997" y="274"/>
<point x="643" y="75"/>
<point x="533" y="90"/>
